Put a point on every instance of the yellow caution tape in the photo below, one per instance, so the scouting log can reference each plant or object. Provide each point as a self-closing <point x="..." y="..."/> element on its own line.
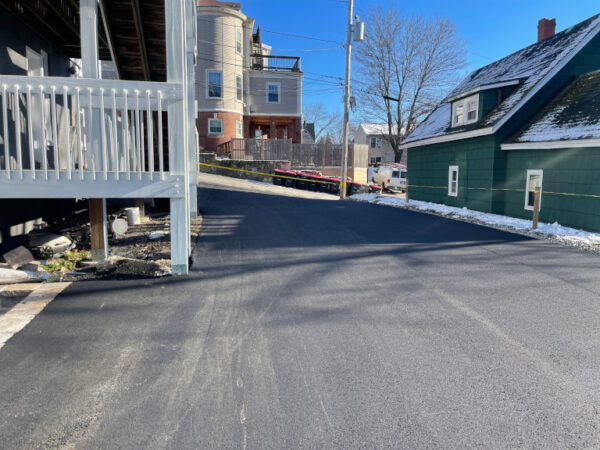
<point x="410" y="185"/>
<point x="507" y="190"/>
<point x="271" y="175"/>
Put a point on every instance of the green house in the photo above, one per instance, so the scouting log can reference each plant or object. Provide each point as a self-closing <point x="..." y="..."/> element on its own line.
<point x="531" y="119"/>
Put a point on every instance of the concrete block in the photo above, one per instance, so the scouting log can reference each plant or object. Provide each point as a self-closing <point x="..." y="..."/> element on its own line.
<point x="18" y="257"/>
<point x="19" y="290"/>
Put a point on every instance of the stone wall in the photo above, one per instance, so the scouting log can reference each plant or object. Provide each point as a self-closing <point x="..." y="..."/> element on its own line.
<point x="266" y="167"/>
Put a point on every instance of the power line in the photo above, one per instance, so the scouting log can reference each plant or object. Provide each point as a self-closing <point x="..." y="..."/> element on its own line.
<point x="300" y="36"/>
<point x="289" y="74"/>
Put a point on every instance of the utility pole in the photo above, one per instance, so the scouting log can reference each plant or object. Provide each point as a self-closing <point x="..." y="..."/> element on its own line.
<point x="359" y="32"/>
<point x="346" y="101"/>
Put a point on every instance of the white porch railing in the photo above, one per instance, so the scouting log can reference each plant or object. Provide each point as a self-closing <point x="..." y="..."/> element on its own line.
<point x="74" y="137"/>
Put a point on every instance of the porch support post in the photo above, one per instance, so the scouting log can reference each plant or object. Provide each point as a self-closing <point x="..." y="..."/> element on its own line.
<point x="88" y="18"/>
<point x="191" y="24"/>
<point x="98" y="234"/>
<point x="178" y="138"/>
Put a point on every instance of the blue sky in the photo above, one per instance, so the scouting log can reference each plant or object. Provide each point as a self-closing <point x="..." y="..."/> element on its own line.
<point x="491" y="29"/>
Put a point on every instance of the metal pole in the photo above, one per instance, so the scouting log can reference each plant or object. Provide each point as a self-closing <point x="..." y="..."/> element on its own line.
<point x="346" y="101"/>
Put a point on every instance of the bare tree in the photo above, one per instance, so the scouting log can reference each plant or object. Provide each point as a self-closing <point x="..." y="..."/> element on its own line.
<point x="324" y="120"/>
<point x="409" y="58"/>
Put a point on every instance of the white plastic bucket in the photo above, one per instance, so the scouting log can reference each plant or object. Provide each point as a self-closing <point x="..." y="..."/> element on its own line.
<point x="133" y="216"/>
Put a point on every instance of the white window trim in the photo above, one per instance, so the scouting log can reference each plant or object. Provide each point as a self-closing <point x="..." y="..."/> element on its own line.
<point x="450" y="170"/>
<point x="529" y="173"/>
<point x="464" y="103"/>
<point x="240" y="35"/>
<point x="378" y="142"/>
<point x="208" y="71"/>
<point x="239" y="126"/>
<point x="212" y="133"/>
<point x="278" y="92"/>
<point x="239" y="100"/>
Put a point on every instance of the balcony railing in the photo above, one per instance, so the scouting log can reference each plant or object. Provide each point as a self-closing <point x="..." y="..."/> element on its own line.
<point x="274" y="63"/>
<point x="55" y="131"/>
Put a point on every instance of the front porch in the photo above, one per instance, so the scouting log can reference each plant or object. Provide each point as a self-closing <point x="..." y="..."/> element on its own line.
<point x="67" y="137"/>
<point x="270" y="127"/>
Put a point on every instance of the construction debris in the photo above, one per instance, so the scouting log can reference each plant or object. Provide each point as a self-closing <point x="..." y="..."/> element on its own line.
<point x="119" y="267"/>
<point x="119" y="227"/>
<point x="48" y="245"/>
<point x="18" y="257"/>
<point x="10" y="276"/>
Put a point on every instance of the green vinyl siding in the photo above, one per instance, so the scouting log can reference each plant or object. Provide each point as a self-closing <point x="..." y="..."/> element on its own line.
<point x="428" y="172"/>
<point x="567" y="171"/>
<point x="487" y="101"/>
<point x="493" y="180"/>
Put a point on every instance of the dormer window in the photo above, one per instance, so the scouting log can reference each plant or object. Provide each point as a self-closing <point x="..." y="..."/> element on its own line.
<point x="465" y="111"/>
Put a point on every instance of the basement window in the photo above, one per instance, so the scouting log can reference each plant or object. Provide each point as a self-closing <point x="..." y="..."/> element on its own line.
<point x="453" y="181"/>
<point x="534" y="180"/>
<point x="465" y="111"/>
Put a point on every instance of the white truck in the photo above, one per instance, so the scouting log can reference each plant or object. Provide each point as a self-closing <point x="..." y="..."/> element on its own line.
<point x="390" y="178"/>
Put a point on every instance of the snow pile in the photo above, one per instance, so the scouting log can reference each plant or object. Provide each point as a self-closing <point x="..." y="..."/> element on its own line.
<point x="553" y="231"/>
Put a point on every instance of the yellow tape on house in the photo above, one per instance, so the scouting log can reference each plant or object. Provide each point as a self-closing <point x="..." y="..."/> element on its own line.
<point x="570" y="194"/>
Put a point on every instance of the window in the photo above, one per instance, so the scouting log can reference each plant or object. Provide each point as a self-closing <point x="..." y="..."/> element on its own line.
<point x="534" y="180"/>
<point x="453" y="181"/>
<point x="215" y="84"/>
<point x="375" y="142"/>
<point x="238" y="88"/>
<point x="273" y="92"/>
<point x="239" y="129"/>
<point x="375" y="159"/>
<point x="238" y="40"/>
<point x="215" y="127"/>
<point x="465" y="111"/>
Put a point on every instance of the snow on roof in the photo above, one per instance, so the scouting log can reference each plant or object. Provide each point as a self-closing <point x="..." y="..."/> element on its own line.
<point x="529" y="65"/>
<point x="573" y="115"/>
<point x="377" y="128"/>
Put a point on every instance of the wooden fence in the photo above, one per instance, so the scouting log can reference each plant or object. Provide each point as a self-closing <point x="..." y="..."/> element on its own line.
<point x="301" y="156"/>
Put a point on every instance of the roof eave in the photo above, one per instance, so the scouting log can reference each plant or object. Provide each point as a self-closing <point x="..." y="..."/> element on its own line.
<point x="550" y="145"/>
<point x="449" y="137"/>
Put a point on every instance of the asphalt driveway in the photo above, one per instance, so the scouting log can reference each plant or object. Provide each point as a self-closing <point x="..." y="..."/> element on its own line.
<point x="308" y="323"/>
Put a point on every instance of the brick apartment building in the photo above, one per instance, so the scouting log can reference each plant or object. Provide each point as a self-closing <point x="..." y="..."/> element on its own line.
<point x="242" y="90"/>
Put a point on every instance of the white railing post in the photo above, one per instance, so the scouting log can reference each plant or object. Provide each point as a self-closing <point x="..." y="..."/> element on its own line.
<point x="5" y="131"/>
<point x="178" y="152"/>
<point x="190" y="92"/>
<point x="88" y="22"/>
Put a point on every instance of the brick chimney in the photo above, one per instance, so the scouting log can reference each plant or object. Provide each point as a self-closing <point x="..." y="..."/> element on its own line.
<point x="546" y="28"/>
